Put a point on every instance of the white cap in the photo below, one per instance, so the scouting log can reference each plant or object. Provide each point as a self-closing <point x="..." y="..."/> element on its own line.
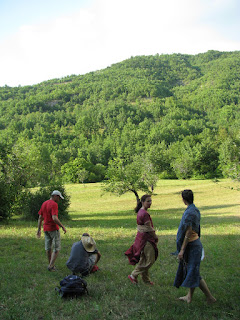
<point x="57" y="193"/>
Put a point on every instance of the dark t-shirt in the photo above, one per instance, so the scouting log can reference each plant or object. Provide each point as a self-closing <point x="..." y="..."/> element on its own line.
<point x="79" y="259"/>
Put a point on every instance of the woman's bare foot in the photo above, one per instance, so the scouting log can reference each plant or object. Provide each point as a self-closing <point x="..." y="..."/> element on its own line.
<point x="211" y="300"/>
<point x="132" y="279"/>
<point x="186" y="299"/>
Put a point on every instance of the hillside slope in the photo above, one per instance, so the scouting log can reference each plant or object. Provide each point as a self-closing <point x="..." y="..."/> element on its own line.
<point x="182" y="111"/>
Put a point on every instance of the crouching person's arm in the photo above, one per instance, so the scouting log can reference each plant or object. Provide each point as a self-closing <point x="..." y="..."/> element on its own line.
<point x="98" y="257"/>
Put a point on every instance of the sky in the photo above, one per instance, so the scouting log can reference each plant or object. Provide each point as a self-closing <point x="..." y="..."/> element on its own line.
<point x="48" y="39"/>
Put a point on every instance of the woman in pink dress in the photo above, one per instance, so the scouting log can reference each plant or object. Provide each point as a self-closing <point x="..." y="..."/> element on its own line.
<point x="144" y="252"/>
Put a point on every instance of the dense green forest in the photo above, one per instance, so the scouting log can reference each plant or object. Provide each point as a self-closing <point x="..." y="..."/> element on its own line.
<point x="178" y="112"/>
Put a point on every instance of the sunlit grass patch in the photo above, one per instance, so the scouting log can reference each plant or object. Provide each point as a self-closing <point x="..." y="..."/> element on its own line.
<point x="111" y="220"/>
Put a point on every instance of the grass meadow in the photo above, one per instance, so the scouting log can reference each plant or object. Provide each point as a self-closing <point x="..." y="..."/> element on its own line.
<point x="27" y="287"/>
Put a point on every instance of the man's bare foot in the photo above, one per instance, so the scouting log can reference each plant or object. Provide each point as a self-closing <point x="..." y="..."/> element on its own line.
<point x="211" y="300"/>
<point x="185" y="299"/>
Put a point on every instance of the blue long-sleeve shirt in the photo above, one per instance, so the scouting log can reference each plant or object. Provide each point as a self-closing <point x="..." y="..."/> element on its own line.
<point x="191" y="218"/>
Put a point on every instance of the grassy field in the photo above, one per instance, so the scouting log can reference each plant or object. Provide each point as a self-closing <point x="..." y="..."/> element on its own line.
<point x="27" y="287"/>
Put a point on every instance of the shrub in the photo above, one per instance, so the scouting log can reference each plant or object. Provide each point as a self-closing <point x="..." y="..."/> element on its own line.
<point x="5" y="201"/>
<point x="35" y="200"/>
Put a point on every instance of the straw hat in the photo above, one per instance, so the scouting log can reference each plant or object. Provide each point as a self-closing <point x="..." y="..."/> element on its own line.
<point x="88" y="243"/>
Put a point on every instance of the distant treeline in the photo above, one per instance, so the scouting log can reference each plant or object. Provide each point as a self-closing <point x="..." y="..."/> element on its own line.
<point x="181" y="112"/>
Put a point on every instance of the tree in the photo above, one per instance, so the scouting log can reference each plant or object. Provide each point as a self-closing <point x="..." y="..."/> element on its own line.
<point x="206" y="159"/>
<point x="229" y="158"/>
<point x="80" y="169"/>
<point x="82" y="175"/>
<point x="124" y="176"/>
<point x="71" y="169"/>
<point x="181" y="156"/>
<point x="5" y="199"/>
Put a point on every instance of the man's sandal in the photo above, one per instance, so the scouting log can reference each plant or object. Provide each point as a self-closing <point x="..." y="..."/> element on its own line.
<point x="52" y="268"/>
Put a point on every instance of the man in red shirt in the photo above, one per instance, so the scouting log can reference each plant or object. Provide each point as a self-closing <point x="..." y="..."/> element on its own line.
<point x="49" y="214"/>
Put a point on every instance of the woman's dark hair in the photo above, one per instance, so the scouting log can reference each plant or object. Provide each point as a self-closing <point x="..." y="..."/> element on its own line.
<point x="187" y="195"/>
<point x="139" y="204"/>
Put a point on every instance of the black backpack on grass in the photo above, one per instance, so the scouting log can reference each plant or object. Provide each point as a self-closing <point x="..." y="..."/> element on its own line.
<point x="72" y="286"/>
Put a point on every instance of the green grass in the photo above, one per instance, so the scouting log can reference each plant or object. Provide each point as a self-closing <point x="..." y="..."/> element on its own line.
<point x="27" y="288"/>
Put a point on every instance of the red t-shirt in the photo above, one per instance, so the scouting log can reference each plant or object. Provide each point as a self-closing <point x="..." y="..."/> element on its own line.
<point x="48" y="209"/>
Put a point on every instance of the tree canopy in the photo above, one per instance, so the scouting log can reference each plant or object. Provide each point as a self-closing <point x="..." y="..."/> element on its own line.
<point x="182" y="111"/>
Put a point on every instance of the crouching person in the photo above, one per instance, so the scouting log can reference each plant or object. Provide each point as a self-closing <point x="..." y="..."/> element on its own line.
<point x="84" y="256"/>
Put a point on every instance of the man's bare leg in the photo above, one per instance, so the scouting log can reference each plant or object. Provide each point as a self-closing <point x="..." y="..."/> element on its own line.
<point x="53" y="259"/>
<point x="49" y="255"/>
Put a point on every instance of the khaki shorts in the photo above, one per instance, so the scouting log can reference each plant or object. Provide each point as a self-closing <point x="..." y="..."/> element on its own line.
<point x="52" y="240"/>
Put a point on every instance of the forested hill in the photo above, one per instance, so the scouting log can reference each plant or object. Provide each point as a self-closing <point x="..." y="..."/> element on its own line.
<point x="179" y="111"/>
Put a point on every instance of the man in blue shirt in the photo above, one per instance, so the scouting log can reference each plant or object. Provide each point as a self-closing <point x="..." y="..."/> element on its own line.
<point x="84" y="256"/>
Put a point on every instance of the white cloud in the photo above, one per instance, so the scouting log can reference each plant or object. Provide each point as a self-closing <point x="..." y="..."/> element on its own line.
<point x="108" y="32"/>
